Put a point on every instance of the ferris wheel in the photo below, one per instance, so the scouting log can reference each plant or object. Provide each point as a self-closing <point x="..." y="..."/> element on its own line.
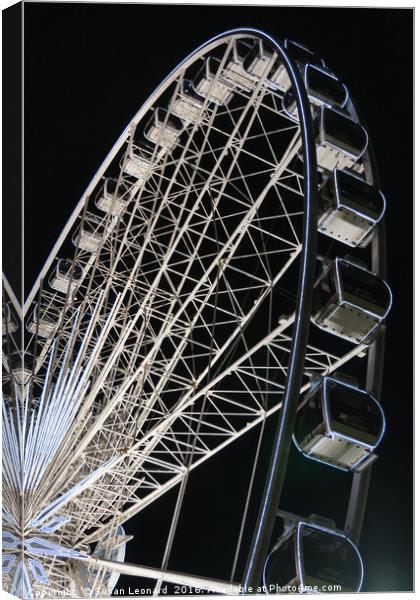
<point x="225" y="266"/>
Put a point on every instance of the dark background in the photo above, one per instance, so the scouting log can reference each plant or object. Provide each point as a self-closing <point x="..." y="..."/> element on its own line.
<point x="88" y="68"/>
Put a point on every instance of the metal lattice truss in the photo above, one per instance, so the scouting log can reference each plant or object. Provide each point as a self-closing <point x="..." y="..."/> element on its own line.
<point x="175" y="341"/>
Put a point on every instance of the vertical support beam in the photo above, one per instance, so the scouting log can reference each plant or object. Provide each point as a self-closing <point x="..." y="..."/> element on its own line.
<point x="357" y="503"/>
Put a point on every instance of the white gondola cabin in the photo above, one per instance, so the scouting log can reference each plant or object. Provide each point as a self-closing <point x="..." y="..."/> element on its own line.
<point x="44" y="320"/>
<point x="66" y="277"/>
<point x="258" y="61"/>
<point x="188" y="105"/>
<point x="339" y="424"/>
<point x="350" y="208"/>
<point x="114" y="197"/>
<point x="139" y="164"/>
<point x="90" y="234"/>
<point x="340" y="141"/>
<point x="235" y="74"/>
<point x="324" y="89"/>
<point x="310" y="555"/>
<point x="210" y="84"/>
<point x="164" y="129"/>
<point x="350" y="301"/>
<point x="278" y="78"/>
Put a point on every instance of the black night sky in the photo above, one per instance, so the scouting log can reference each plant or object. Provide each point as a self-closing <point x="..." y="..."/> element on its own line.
<point x="88" y="68"/>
